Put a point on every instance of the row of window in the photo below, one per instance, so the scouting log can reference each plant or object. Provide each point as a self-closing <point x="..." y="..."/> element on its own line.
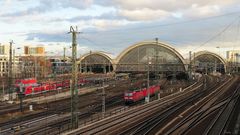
<point x="1" y="59"/>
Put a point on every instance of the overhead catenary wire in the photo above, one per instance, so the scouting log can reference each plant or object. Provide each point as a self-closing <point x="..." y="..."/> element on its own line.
<point x="237" y="35"/>
<point x="217" y="34"/>
<point x="162" y="25"/>
<point x="192" y="43"/>
<point x="143" y="28"/>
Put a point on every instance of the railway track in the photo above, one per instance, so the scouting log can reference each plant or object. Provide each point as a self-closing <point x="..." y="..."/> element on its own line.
<point x="195" y="113"/>
<point x="11" y="108"/>
<point x="151" y="125"/>
<point x="62" y="124"/>
<point x="188" y="122"/>
<point x="53" y="125"/>
<point x="56" y="106"/>
<point x="147" y="125"/>
<point x="138" y="121"/>
<point x="220" y="123"/>
<point x="32" y="120"/>
<point x="114" y="124"/>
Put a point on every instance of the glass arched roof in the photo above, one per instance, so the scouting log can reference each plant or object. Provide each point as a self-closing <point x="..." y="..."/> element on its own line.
<point x="160" y="57"/>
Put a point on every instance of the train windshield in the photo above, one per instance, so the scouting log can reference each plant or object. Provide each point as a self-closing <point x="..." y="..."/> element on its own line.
<point x="128" y="94"/>
<point x="33" y="85"/>
<point x="134" y="89"/>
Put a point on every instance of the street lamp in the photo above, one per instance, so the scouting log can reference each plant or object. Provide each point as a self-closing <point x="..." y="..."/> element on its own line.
<point x="215" y="60"/>
<point x="147" y="99"/>
<point x="21" y="95"/>
<point x="35" y="66"/>
<point x="45" y="63"/>
<point x="14" y="66"/>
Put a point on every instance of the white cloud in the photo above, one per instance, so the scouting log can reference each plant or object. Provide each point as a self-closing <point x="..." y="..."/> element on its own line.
<point x="137" y="10"/>
<point x="144" y="14"/>
<point x="75" y="3"/>
<point x="49" y="20"/>
<point x="196" y="11"/>
<point x="169" y="5"/>
<point x="212" y="47"/>
<point x="107" y="24"/>
<point x="58" y="48"/>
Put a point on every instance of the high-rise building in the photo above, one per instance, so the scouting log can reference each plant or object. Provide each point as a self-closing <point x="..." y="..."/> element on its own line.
<point x="4" y="49"/>
<point x="233" y="56"/>
<point x="34" y="51"/>
<point x="4" y="65"/>
<point x="4" y="53"/>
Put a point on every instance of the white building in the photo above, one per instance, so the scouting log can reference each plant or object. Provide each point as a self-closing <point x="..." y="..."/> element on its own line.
<point x="233" y="56"/>
<point x="4" y="49"/>
<point x="3" y="66"/>
<point x="4" y="61"/>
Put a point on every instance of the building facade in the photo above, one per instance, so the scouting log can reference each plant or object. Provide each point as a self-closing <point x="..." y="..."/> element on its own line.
<point x="4" y="53"/>
<point x="4" y="49"/>
<point x="3" y="66"/>
<point x="34" y="51"/>
<point x="233" y="56"/>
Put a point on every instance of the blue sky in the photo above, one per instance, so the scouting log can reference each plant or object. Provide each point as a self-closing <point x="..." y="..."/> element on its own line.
<point x="113" y="25"/>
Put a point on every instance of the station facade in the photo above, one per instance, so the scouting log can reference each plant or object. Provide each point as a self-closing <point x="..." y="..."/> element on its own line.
<point x="208" y="62"/>
<point x="154" y="56"/>
<point x="96" y="62"/>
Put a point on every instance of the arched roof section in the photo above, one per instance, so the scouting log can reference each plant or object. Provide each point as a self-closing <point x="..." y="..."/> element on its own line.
<point x="209" y="56"/>
<point x="205" y="53"/>
<point x="139" y="51"/>
<point x="97" y="57"/>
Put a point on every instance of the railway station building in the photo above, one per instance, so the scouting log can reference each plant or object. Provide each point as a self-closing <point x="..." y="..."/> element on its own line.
<point x="157" y="57"/>
<point x="150" y="55"/>
<point x="208" y="62"/>
<point x="95" y="62"/>
<point x="153" y="56"/>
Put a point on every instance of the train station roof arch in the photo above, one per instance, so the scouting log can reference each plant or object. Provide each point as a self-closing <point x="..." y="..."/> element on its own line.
<point x="97" y="57"/>
<point x="139" y="52"/>
<point x="210" y="57"/>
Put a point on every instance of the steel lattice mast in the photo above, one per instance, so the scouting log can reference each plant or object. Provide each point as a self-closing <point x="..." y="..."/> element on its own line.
<point x="74" y="90"/>
<point x="10" y="72"/>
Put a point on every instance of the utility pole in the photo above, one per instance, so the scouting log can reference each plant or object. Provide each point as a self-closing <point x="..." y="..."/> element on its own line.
<point x="190" y="65"/>
<point x="45" y="66"/>
<point x="194" y="65"/>
<point x="35" y="66"/>
<point x="194" y="62"/>
<point x="10" y="72"/>
<point x="74" y="90"/>
<point x="215" y="65"/>
<point x="103" y="99"/>
<point x="13" y="66"/>
<point x="21" y="97"/>
<point x="3" y="87"/>
<point x="147" y="99"/>
<point x="156" y="60"/>
<point x="64" y="60"/>
<point x="64" y="54"/>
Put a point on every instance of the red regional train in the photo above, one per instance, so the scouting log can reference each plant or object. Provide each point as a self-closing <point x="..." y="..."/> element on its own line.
<point x="30" y="86"/>
<point x="137" y="95"/>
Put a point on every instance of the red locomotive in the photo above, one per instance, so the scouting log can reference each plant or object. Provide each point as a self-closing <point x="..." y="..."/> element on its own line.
<point x="140" y="94"/>
<point x="30" y="86"/>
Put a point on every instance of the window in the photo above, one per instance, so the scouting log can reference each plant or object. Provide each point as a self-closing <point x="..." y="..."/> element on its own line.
<point x="128" y="94"/>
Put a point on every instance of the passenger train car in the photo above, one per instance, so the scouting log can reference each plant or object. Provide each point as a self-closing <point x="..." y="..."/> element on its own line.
<point x="30" y="86"/>
<point x="139" y="94"/>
